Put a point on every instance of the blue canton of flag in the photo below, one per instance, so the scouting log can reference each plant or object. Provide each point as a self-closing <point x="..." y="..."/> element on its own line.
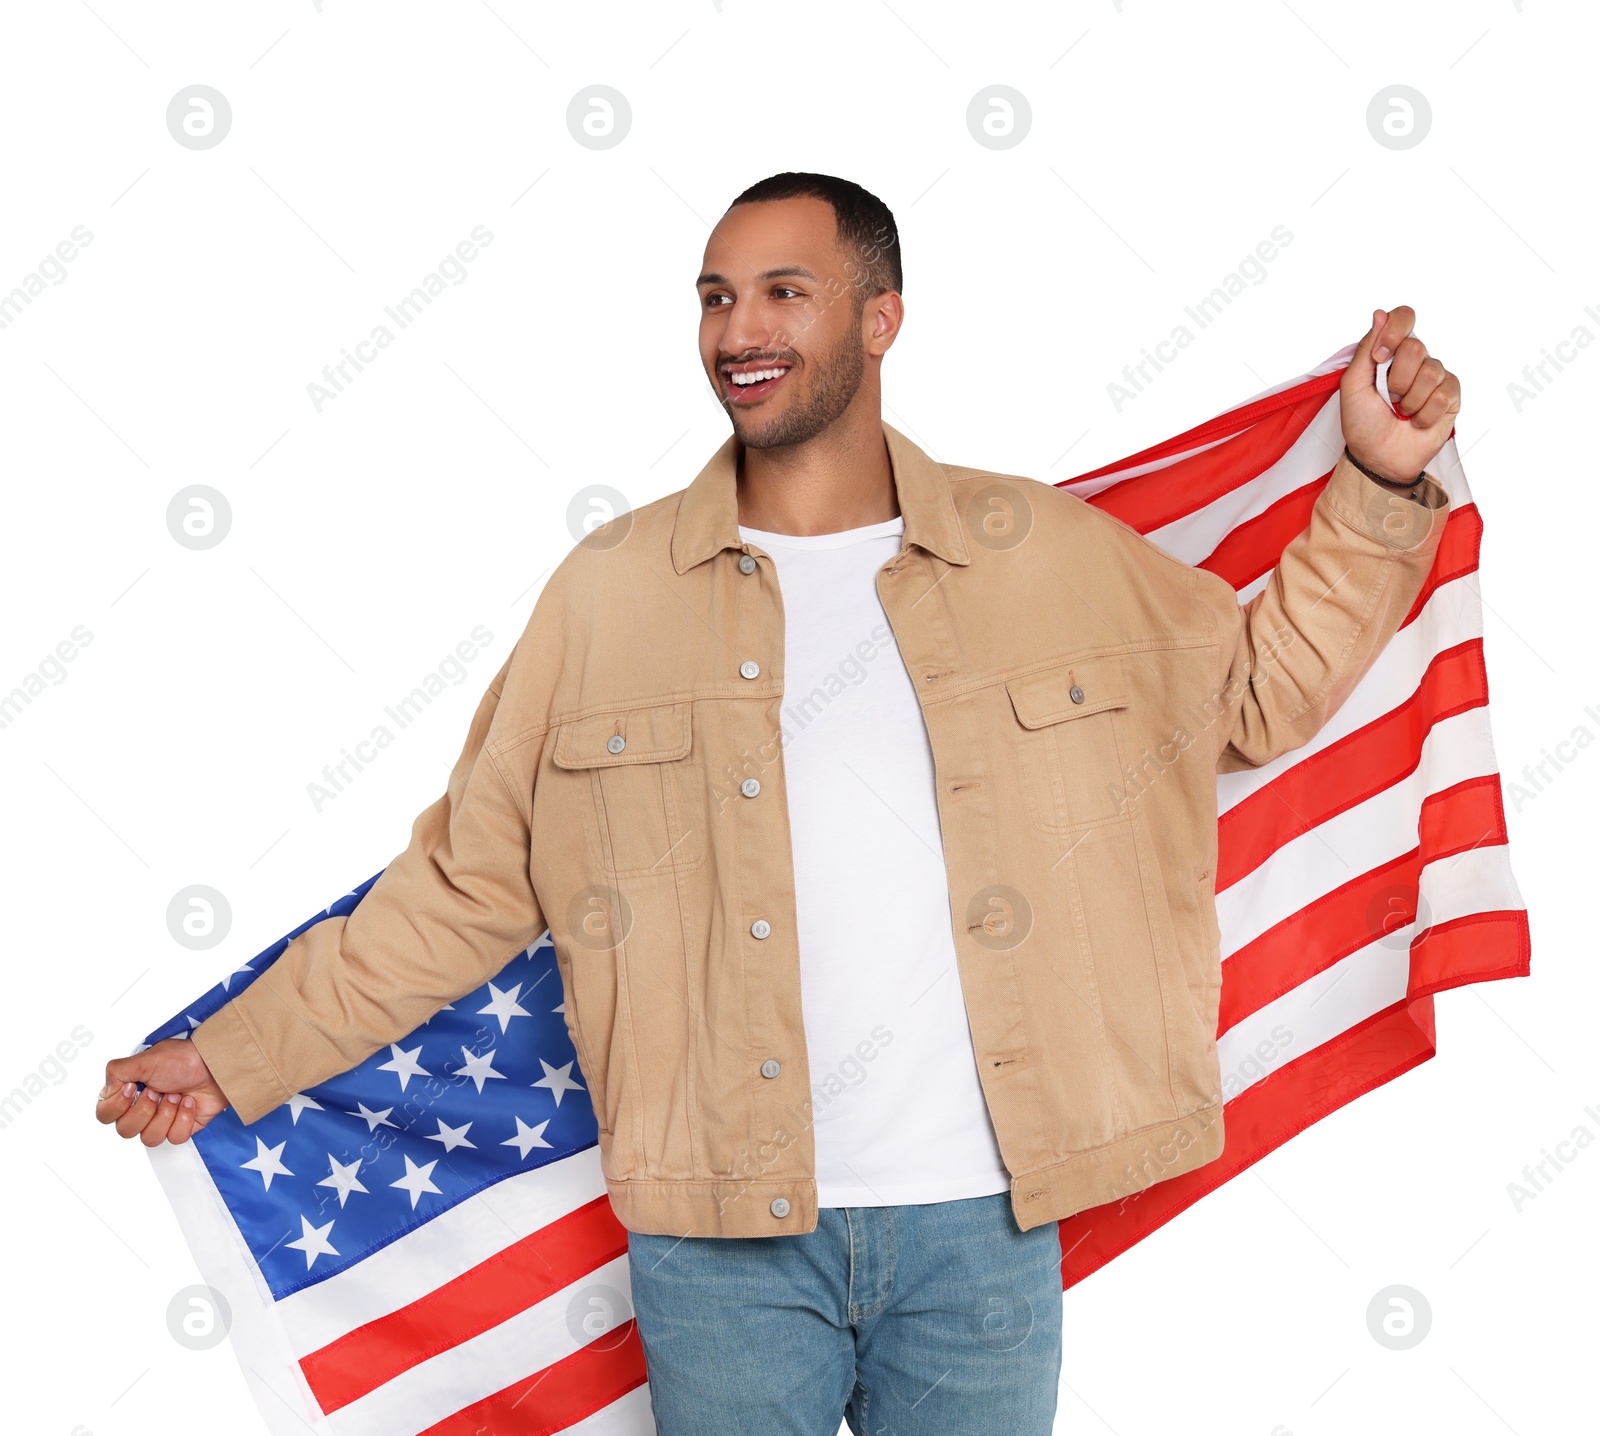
<point x="488" y="1087"/>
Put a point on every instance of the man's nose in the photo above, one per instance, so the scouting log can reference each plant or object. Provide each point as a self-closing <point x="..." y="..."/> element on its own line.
<point x="747" y="332"/>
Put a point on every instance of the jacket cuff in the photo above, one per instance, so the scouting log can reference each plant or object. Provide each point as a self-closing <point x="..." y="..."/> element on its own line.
<point x="1386" y="515"/>
<point x="228" y="1047"/>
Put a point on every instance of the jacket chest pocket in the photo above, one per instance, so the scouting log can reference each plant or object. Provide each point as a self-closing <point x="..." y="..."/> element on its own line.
<point x="643" y="816"/>
<point x="1066" y="741"/>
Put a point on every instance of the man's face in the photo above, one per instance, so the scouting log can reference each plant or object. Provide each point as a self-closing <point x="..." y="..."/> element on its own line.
<point x="776" y="298"/>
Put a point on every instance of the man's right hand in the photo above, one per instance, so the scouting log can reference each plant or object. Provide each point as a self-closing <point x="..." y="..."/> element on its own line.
<point x="180" y="1095"/>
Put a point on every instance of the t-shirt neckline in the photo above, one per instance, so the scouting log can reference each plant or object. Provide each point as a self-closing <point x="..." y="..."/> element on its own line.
<point x="889" y="528"/>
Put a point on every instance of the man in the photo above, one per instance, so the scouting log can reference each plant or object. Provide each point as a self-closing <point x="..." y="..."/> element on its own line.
<point x="885" y="919"/>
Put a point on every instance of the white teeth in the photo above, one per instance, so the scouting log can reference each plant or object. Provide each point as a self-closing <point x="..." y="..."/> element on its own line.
<point x="743" y="380"/>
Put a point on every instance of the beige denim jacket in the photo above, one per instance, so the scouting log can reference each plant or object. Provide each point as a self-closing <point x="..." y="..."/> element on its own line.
<point x="1056" y="652"/>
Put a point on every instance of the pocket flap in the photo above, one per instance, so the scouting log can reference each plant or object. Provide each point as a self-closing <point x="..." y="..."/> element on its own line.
<point x="650" y="735"/>
<point x="1046" y="697"/>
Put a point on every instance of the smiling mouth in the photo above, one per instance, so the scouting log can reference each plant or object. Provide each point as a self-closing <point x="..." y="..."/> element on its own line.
<point x="747" y="385"/>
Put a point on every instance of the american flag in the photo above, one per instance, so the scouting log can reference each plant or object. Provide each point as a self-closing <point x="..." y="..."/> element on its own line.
<point x="424" y="1244"/>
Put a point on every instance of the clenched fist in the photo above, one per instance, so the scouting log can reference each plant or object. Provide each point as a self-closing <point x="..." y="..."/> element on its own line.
<point x="180" y="1096"/>
<point x="1397" y="445"/>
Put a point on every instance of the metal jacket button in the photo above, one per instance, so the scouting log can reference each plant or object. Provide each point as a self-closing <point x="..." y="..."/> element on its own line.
<point x="770" y="1068"/>
<point x="780" y="1206"/>
<point x="760" y="927"/>
<point x="746" y="563"/>
<point x="749" y="668"/>
<point x="616" y="743"/>
<point x="750" y="787"/>
<point x="1076" y="694"/>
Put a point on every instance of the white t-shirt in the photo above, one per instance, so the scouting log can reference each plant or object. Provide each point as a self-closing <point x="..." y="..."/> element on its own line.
<point x="899" y="1116"/>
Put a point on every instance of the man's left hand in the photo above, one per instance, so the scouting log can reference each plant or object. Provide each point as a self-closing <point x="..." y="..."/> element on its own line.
<point x="1397" y="443"/>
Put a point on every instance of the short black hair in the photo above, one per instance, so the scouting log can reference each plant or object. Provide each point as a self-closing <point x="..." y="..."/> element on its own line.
<point x="862" y="222"/>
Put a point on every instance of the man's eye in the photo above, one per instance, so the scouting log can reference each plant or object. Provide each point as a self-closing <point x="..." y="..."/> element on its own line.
<point x="716" y="301"/>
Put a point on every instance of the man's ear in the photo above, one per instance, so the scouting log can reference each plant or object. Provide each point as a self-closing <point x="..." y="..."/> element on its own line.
<point x="888" y="314"/>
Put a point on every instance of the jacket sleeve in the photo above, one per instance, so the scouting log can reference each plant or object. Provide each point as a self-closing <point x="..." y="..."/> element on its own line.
<point x="1290" y="657"/>
<point x="443" y="917"/>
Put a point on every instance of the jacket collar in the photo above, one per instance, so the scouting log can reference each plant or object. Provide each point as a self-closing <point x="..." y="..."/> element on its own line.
<point x="708" y="515"/>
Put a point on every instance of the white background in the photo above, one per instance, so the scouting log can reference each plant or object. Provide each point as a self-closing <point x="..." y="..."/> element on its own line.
<point x="369" y="539"/>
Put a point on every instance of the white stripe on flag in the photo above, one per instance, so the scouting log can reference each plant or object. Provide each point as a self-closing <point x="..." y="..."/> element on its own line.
<point x="257" y="1338"/>
<point x="1317" y="1011"/>
<point x="1474" y="881"/>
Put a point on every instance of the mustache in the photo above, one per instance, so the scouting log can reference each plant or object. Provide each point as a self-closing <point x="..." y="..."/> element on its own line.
<point x="723" y="365"/>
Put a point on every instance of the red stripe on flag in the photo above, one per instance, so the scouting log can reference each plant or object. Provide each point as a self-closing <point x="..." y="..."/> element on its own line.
<point x="1456" y="556"/>
<point x="1151" y="501"/>
<point x="1361" y="911"/>
<point x="559" y="1396"/>
<point x="1254" y="546"/>
<point x="1358" y="766"/>
<point x="1262" y="1117"/>
<point x="494" y="1291"/>
<point x="1301" y="1093"/>
<point x="1473" y="803"/>
<point x="1459" y="951"/>
<point x="1232" y="422"/>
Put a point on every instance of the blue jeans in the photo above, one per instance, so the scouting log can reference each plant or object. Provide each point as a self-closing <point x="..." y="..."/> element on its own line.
<point x="942" y="1318"/>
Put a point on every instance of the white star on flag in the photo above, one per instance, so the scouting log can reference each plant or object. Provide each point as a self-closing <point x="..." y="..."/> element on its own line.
<point x="527" y="1137"/>
<point x="298" y="1104"/>
<point x="405" y="1064"/>
<point x="478" y="1068"/>
<point x="314" y="1242"/>
<point x="374" y="1120"/>
<point x="266" y="1162"/>
<point x="452" y="1137"/>
<point x="504" y="1005"/>
<point x="416" y="1181"/>
<point x="343" y="1177"/>
<point x="558" y="1080"/>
